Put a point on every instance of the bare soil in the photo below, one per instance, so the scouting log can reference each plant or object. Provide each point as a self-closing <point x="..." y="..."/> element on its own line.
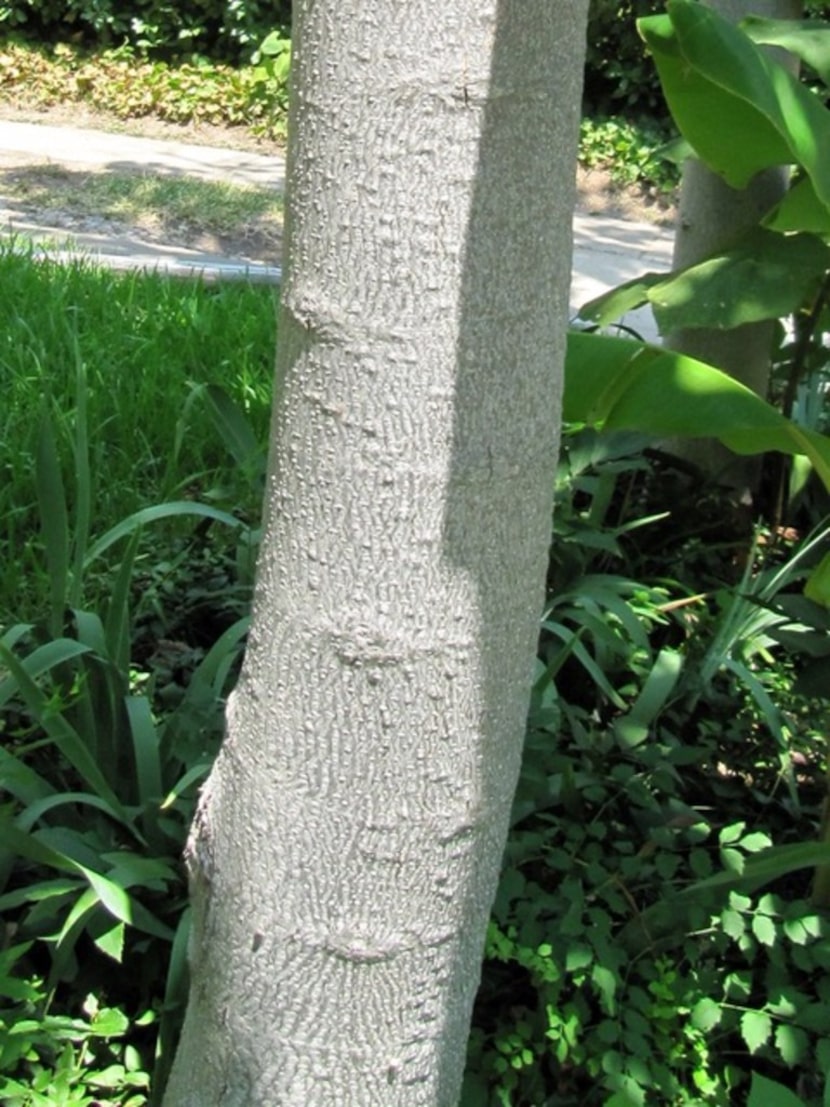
<point x="597" y="194"/>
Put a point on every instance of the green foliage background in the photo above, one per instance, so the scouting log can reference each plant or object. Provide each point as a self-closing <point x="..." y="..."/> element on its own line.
<point x="226" y="30"/>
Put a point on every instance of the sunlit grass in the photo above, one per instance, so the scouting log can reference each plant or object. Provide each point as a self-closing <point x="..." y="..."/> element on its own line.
<point x="164" y="202"/>
<point x="146" y="342"/>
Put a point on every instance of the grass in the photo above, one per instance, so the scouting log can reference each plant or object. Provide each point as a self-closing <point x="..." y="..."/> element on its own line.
<point x="164" y="203"/>
<point x="146" y="345"/>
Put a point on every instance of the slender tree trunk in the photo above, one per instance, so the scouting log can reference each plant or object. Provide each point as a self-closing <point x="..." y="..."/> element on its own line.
<point x="711" y="216"/>
<point x="347" y="845"/>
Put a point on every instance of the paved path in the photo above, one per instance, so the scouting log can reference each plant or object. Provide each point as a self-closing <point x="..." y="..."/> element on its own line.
<point x="607" y="251"/>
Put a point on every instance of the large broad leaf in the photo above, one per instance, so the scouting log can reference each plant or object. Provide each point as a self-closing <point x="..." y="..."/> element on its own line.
<point x="740" y="110"/>
<point x="809" y="39"/>
<point x="764" y="275"/>
<point x="619" y="384"/>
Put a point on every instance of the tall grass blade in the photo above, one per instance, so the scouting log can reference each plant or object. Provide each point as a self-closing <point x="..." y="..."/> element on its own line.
<point x="83" y="489"/>
<point x="234" y="428"/>
<point x="21" y="781"/>
<point x="36" y="810"/>
<point x="152" y="515"/>
<point x="197" y="772"/>
<point x="175" y="997"/>
<point x="54" y="523"/>
<point x="117" y="627"/>
<point x="93" y="711"/>
<point x="145" y="750"/>
<point x="65" y="737"/>
<point x="39" y="661"/>
<point x="214" y="668"/>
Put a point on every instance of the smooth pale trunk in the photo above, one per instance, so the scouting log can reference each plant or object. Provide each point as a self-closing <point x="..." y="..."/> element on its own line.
<point x="711" y="216"/>
<point x="347" y="845"/>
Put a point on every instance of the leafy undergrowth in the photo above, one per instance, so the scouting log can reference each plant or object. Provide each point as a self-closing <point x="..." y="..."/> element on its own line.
<point x="120" y="82"/>
<point x="634" y="153"/>
<point x="657" y="938"/>
<point x="646" y="947"/>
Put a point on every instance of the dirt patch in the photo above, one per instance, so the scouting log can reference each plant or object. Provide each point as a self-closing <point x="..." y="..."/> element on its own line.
<point x="598" y="194"/>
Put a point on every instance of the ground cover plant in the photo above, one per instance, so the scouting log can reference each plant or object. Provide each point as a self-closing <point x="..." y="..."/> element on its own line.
<point x="642" y="781"/>
<point x="660" y="934"/>
<point x="632" y="958"/>
<point x="125" y="85"/>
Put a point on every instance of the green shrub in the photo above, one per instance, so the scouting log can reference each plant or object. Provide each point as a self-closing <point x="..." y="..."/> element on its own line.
<point x="632" y="957"/>
<point x="631" y="150"/>
<point x="619" y="77"/>
<point x="118" y="82"/>
<point x="222" y="29"/>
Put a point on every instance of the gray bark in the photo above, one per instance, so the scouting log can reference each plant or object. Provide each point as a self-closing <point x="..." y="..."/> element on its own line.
<point x="711" y="215"/>
<point x="347" y="845"/>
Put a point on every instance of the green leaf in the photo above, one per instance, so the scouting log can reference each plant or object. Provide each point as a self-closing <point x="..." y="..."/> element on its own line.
<point x="619" y="384"/>
<point x="662" y="921"/>
<point x="65" y="737"/>
<point x="40" y="661"/>
<point x="118" y="610"/>
<point x="706" y="1014"/>
<point x="792" y="1043"/>
<point x="578" y="957"/>
<point x="121" y="906"/>
<point x="111" y="942"/>
<point x="109" y="1022"/>
<point x="740" y="110"/>
<point x="733" y="923"/>
<point x="606" y="984"/>
<point x="731" y="834"/>
<point x="755" y="842"/>
<point x="633" y="729"/>
<point x="145" y="750"/>
<point x="807" y="39"/>
<point x="769" y="1093"/>
<point x="733" y="860"/>
<point x="198" y="772"/>
<point x="764" y="930"/>
<point x="764" y="275"/>
<point x="817" y="587"/>
<point x="233" y="426"/>
<point x="799" y="210"/>
<point x="756" y="1029"/>
<point x="35" y="811"/>
<point x="83" y="484"/>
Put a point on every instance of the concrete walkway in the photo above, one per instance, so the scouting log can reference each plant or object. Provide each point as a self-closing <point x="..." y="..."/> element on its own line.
<point x="607" y="251"/>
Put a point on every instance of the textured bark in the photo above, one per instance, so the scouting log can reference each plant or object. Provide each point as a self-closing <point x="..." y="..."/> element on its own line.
<point x="347" y="845"/>
<point x="711" y="216"/>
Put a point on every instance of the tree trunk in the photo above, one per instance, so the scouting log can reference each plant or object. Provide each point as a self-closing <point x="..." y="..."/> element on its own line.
<point x="347" y="845"/>
<point x="711" y="216"/>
